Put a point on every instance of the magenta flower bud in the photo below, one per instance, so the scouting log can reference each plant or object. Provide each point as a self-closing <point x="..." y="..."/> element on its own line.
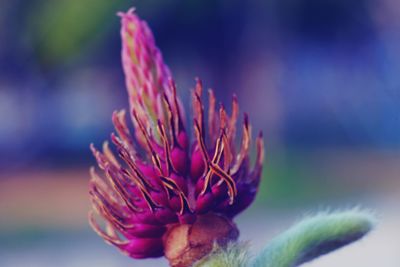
<point x="157" y="187"/>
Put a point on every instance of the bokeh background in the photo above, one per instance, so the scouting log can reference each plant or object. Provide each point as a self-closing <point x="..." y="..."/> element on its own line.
<point x="321" y="78"/>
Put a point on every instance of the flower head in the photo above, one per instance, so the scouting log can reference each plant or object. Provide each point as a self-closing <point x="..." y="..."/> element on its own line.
<point x="158" y="187"/>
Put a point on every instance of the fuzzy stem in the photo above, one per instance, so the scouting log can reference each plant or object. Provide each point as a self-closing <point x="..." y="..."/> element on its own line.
<point x="233" y="255"/>
<point x="313" y="237"/>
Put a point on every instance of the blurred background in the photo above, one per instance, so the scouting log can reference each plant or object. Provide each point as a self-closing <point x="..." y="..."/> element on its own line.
<point x="319" y="77"/>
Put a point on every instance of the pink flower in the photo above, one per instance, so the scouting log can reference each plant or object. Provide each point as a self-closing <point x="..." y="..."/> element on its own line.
<point x="158" y="179"/>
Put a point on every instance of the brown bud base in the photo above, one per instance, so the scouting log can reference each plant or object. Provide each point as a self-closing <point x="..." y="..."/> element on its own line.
<point x="187" y="243"/>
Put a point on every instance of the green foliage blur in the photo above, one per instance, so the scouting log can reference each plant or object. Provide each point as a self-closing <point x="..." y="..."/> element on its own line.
<point x="61" y="30"/>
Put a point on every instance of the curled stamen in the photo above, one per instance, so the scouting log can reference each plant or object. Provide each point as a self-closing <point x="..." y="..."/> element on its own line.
<point x="167" y="151"/>
<point x="109" y="154"/>
<point x="110" y="217"/>
<point x="200" y="142"/>
<point x="179" y="119"/>
<point x="171" y="120"/>
<point x="219" y="148"/>
<point x="216" y="158"/>
<point x="114" y="240"/>
<point x="102" y="161"/>
<point x="199" y="86"/>
<point x="212" y="124"/>
<point x="111" y="211"/>
<point x="223" y="118"/>
<point x="155" y="158"/>
<point x="225" y="133"/>
<point x="124" y="154"/>
<point x="260" y="150"/>
<point x="149" y="200"/>
<point x="228" y="179"/>
<point x="228" y="157"/>
<point x="198" y="107"/>
<point x="170" y="184"/>
<point x="102" y="184"/>
<point x="119" y="121"/>
<point x="244" y="149"/>
<point x="121" y="189"/>
<point x="185" y="207"/>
